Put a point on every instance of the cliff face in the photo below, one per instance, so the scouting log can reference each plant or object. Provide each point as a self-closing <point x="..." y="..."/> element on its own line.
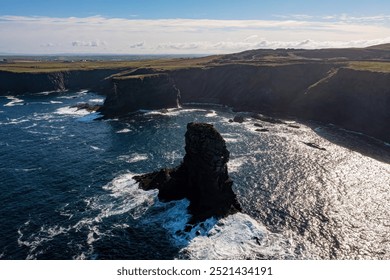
<point x="146" y="91"/>
<point x="317" y="90"/>
<point x="202" y="177"/>
<point x="19" y="83"/>
<point x="245" y="87"/>
<point x="354" y="100"/>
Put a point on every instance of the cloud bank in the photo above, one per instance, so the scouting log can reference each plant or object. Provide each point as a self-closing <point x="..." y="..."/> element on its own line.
<point x="39" y="35"/>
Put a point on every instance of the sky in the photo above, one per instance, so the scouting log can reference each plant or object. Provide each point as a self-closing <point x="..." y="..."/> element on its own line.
<point x="188" y="27"/>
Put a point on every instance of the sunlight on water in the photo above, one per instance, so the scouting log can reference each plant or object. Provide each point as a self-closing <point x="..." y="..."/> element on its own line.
<point x="307" y="190"/>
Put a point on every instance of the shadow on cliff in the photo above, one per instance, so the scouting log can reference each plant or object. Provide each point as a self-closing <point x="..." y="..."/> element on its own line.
<point x="357" y="142"/>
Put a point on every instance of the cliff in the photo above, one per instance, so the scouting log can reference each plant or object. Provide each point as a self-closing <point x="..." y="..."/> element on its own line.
<point x="346" y="87"/>
<point x="352" y="99"/>
<point x="357" y="100"/>
<point x="202" y="178"/>
<point x="19" y="83"/>
<point x="142" y="91"/>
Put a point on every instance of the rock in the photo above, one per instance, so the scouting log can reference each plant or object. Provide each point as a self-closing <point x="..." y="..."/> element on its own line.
<point x="262" y="130"/>
<point x="293" y="126"/>
<point x="267" y="119"/>
<point x="239" y="119"/>
<point x="314" y="145"/>
<point x="230" y="120"/>
<point x="87" y="106"/>
<point x="258" y="125"/>
<point x="202" y="178"/>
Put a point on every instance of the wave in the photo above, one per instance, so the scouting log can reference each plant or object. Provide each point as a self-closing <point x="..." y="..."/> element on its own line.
<point x="133" y="158"/>
<point x="238" y="236"/>
<point x="14" y="101"/>
<point x="96" y="100"/>
<point x="71" y="111"/>
<point x="125" y="130"/>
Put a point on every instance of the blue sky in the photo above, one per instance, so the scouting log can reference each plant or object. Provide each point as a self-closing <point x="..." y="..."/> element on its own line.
<point x="170" y="26"/>
<point x="209" y="9"/>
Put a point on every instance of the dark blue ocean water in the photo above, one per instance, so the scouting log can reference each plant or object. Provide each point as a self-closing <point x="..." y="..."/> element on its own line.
<point x="66" y="187"/>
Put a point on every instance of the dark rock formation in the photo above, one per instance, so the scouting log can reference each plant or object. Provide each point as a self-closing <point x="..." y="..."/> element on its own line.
<point x="239" y="119"/>
<point x="261" y="130"/>
<point x="147" y="91"/>
<point x="314" y="145"/>
<point x="267" y="119"/>
<point x="258" y="125"/>
<point x="202" y="177"/>
<point x="87" y="106"/>
<point x="19" y="83"/>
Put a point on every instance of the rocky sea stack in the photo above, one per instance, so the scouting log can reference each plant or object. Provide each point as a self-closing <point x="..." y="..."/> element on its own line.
<point x="202" y="177"/>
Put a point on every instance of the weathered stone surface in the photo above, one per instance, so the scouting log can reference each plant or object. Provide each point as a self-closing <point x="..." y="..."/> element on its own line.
<point x="202" y="177"/>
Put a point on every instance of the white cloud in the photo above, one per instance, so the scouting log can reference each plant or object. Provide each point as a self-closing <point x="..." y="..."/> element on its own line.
<point x="93" y="43"/>
<point x="137" y="45"/>
<point x="26" y="34"/>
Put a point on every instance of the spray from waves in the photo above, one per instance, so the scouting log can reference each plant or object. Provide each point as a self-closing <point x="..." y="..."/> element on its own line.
<point x="234" y="237"/>
<point x="237" y="236"/>
<point x="122" y="196"/>
<point x="133" y="158"/>
<point x="125" y="130"/>
<point x="14" y="101"/>
<point x="71" y="111"/>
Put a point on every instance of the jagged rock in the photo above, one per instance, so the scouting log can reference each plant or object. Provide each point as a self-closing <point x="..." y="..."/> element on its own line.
<point x="314" y="145"/>
<point x="239" y="119"/>
<point x="87" y="106"/>
<point x="267" y="119"/>
<point x="261" y="130"/>
<point x="293" y="126"/>
<point x="258" y="125"/>
<point x="202" y="177"/>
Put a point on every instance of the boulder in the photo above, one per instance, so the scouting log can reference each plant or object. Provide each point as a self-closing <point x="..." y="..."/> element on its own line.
<point x="239" y="119"/>
<point x="202" y="177"/>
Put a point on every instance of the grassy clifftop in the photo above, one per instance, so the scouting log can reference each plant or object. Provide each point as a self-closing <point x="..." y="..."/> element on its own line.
<point x="20" y="66"/>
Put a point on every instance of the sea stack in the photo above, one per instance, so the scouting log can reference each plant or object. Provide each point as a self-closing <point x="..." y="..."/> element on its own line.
<point x="202" y="177"/>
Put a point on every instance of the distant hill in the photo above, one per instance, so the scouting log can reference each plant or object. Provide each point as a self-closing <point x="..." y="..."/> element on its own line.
<point x="384" y="47"/>
<point x="376" y="53"/>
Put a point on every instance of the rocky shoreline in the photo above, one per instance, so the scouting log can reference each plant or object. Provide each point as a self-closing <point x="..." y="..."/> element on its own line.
<point x="328" y="89"/>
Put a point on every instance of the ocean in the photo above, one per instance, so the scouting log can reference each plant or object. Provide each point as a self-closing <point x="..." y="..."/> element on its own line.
<point x="308" y="190"/>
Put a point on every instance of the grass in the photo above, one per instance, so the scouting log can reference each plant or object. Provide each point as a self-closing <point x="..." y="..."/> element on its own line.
<point x="58" y="66"/>
<point x="373" y="66"/>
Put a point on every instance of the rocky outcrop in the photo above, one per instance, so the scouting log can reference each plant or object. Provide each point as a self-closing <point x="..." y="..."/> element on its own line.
<point x="19" y="83"/>
<point x="146" y="91"/>
<point x="202" y="177"/>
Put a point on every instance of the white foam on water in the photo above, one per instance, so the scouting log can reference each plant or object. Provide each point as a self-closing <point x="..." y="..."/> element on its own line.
<point x="211" y="114"/>
<point x="173" y="111"/>
<point x="37" y="239"/>
<point x="96" y="148"/>
<point x="134" y="200"/>
<point x="70" y="111"/>
<point x="14" y="101"/>
<point x="55" y="102"/>
<point x="16" y="121"/>
<point x="231" y="137"/>
<point x="133" y="157"/>
<point x="238" y="236"/>
<point x="96" y="100"/>
<point x="125" y="130"/>
<point x="173" y="156"/>
<point x="235" y="164"/>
